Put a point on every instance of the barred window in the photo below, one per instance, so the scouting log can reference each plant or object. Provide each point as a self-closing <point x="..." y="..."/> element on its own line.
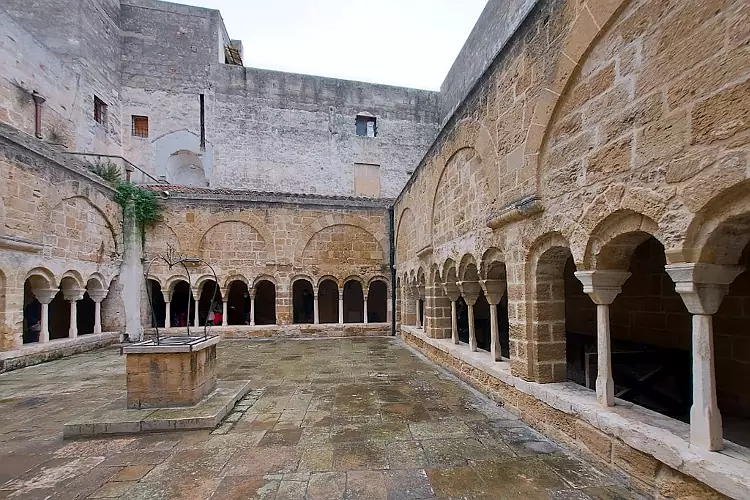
<point x="100" y="111"/>
<point x="140" y="126"/>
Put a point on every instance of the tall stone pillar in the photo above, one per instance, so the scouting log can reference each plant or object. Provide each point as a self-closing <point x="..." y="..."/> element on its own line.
<point x="131" y="278"/>
<point x="196" y="319"/>
<point x="341" y="308"/>
<point x="470" y="292"/>
<point x="73" y="295"/>
<point x="494" y="291"/>
<point x="453" y="293"/>
<point x="168" y="311"/>
<point x="44" y="296"/>
<point x="603" y="286"/>
<point x="98" y="295"/>
<point x="365" y="311"/>
<point x="702" y="288"/>
<point x="251" y="293"/>
<point x="316" y="309"/>
<point x="225" y="309"/>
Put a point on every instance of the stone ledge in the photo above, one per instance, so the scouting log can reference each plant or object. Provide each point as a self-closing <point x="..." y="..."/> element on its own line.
<point x="150" y="346"/>
<point x="114" y="418"/>
<point x="658" y="436"/>
<point x="324" y="330"/>
<point x="33" y="354"/>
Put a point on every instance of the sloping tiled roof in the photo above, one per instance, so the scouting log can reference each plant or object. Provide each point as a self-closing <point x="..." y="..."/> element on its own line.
<point x="245" y="193"/>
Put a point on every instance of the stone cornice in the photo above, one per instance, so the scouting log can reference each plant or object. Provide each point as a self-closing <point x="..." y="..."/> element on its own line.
<point x="521" y="209"/>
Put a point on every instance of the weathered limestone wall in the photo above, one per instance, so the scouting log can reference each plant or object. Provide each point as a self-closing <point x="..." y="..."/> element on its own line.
<point x="276" y="238"/>
<point x="58" y="223"/>
<point x="495" y="26"/>
<point x="264" y="130"/>
<point x="66" y="78"/>
<point x="601" y="124"/>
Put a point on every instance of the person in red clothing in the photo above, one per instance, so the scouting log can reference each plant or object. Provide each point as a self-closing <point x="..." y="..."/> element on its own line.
<point x="218" y="317"/>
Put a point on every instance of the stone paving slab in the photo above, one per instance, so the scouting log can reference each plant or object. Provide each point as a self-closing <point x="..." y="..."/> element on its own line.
<point x="344" y="419"/>
<point x="205" y="415"/>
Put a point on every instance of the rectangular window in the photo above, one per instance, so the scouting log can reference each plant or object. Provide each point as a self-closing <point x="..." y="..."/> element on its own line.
<point x="366" y="125"/>
<point x="140" y="126"/>
<point x="100" y="111"/>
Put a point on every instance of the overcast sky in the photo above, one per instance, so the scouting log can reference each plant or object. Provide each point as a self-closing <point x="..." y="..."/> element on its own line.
<point x="410" y="43"/>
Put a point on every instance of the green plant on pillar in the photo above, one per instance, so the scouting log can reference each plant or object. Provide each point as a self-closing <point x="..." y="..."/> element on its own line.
<point x="138" y="203"/>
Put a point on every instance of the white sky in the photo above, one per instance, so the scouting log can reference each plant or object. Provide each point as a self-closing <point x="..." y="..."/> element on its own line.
<point x="410" y="43"/>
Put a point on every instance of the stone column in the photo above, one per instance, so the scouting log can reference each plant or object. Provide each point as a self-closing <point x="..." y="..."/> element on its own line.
<point x="196" y="295"/>
<point x="415" y="297"/>
<point x="252" y="306"/>
<point x="44" y="296"/>
<point x="341" y="308"/>
<point x="494" y="291"/>
<point x="453" y="293"/>
<point x="702" y="288"/>
<point x="365" y="312"/>
<point x="168" y="308"/>
<point x="98" y="295"/>
<point x="225" y="309"/>
<point x="316" y="310"/>
<point x="470" y="292"/>
<point x="73" y="295"/>
<point x="603" y="286"/>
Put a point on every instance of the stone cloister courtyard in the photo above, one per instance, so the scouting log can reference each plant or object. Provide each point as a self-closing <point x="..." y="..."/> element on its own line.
<point x="364" y="418"/>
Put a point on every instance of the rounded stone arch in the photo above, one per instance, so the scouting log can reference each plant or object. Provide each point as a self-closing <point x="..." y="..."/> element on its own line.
<point x="158" y="238"/>
<point x="235" y="277"/>
<point x="45" y="212"/>
<point x="589" y="25"/>
<point x="44" y="274"/>
<point x="201" y="280"/>
<point x="155" y="278"/>
<point x="492" y="260"/>
<point x="97" y="278"/>
<point x="265" y="277"/>
<point x="468" y="270"/>
<point x="339" y="219"/>
<point x="327" y="246"/>
<point x="172" y="281"/>
<point x="354" y="277"/>
<point x="449" y="269"/>
<point x="252" y="249"/>
<point x="613" y="240"/>
<point x="298" y="277"/>
<point x="167" y="146"/>
<point x="329" y="277"/>
<point x="75" y="276"/>
<point x="720" y="231"/>
<point x="405" y="226"/>
<point x="420" y="277"/>
<point x="378" y="277"/>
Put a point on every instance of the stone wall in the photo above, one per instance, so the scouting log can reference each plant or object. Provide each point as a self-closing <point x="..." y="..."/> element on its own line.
<point x="58" y="222"/>
<point x="37" y="60"/>
<point x="279" y="238"/>
<point x="601" y="124"/>
<point x="495" y="26"/>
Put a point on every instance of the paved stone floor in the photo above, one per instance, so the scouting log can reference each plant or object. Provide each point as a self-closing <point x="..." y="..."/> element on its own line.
<point x="355" y="419"/>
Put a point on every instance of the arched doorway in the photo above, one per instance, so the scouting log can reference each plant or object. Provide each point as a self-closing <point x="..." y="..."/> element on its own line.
<point x="377" y="302"/>
<point x="354" y="304"/>
<point x="86" y="314"/>
<point x="158" y="304"/>
<point x="328" y="302"/>
<point x="182" y="305"/>
<point x="32" y="314"/>
<point x="265" y="302"/>
<point x="238" y="303"/>
<point x="210" y="304"/>
<point x="303" y="305"/>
